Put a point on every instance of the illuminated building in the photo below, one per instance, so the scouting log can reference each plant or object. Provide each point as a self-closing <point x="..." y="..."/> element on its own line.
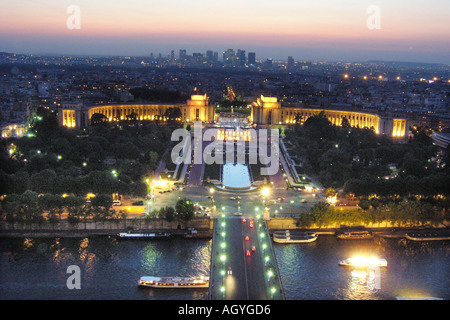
<point x="441" y="139"/>
<point x="229" y="57"/>
<point x="75" y="115"/>
<point x="269" y="111"/>
<point x="264" y="111"/>
<point x="14" y="130"/>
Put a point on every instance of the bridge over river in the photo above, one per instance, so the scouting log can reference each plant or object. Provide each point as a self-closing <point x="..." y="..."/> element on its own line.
<point x="243" y="264"/>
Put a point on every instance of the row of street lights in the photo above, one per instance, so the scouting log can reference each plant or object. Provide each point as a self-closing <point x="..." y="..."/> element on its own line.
<point x="262" y="237"/>
<point x="223" y="256"/>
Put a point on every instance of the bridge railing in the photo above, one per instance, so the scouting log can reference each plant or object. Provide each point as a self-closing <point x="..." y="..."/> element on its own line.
<point x="211" y="268"/>
<point x="274" y="259"/>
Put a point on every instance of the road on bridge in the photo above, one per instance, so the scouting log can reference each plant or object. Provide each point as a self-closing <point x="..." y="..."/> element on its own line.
<point x="236" y="275"/>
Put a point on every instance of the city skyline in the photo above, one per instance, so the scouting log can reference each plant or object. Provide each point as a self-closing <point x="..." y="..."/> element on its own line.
<point x="324" y="30"/>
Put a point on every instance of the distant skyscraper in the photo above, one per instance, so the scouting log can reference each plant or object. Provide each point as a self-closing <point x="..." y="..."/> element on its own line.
<point x="228" y="57"/>
<point x="216" y="56"/>
<point x="251" y="58"/>
<point x="197" y="56"/>
<point x="182" y="53"/>
<point x="290" y="62"/>
<point x="210" y="55"/>
<point x="172" y="55"/>
<point x="240" y="56"/>
<point x="268" y="64"/>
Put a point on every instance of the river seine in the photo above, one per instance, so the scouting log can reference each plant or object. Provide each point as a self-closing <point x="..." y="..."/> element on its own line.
<point x="110" y="268"/>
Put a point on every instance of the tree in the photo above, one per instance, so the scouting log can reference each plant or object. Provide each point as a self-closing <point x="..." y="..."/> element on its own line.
<point x="185" y="209"/>
<point x="133" y="117"/>
<point x="101" y="205"/>
<point x="98" y="118"/>
<point x="345" y="123"/>
<point x="167" y="213"/>
<point x="11" y="208"/>
<point x="364" y="204"/>
<point x="172" y="114"/>
<point x="330" y="192"/>
<point x="320" y="213"/>
<point x="298" y="119"/>
<point x="76" y="208"/>
<point x="305" y="220"/>
<point x="30" y="209"/>
<point x="53" y="205"/>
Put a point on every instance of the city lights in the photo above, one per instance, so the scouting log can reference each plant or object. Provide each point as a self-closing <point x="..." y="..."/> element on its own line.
<point x="225" y="164"/>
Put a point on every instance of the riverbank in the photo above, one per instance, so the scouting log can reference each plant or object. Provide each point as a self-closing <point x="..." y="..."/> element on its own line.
<point x="187" y="234"/>
<point x="201" y="225"/>
<point x="420" y="233"/>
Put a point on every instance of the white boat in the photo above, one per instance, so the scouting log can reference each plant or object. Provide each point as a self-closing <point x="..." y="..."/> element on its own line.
<point x="174" y="282"/>
<point x="355" y="235"/>
<point x="426" y="236"/>
<point x="287" y="237"/>
<point x="363" y="262"/>
<point x="126" y="235"/>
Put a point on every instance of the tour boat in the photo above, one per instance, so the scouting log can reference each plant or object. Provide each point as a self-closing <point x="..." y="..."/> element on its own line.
<point x="355" y="235"/>
<point x="174" y="282"/>
<point x="126" y="235"/>
<point x="287" y="237"/>
<point x="426" y="236"/>
<point x="363" y="262"/>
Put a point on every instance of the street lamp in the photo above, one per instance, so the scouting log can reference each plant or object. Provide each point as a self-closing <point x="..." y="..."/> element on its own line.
<point x="265" y="192"/>
<point x="211" y="191"/>
<point x="272" y="291"/>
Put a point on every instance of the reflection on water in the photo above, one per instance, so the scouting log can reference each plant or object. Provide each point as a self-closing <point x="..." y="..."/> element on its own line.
<point x="236" y="175"/>
<point x="110" y="269"/>
<point x="311" y="271"/>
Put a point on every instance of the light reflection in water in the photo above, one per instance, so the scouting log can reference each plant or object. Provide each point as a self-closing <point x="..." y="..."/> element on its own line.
<point x="36" y="268"/>
<point x="313" y="272"/>
<point x="27" y="243"/>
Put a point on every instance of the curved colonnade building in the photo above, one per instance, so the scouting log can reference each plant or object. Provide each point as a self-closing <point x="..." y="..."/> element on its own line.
<point x="73" y="115"/>
<point x="265" y="111"/>
<point x="269" y="111"/>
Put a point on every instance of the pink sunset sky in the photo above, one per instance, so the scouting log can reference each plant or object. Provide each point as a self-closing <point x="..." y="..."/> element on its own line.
<point x="413" y="30"/>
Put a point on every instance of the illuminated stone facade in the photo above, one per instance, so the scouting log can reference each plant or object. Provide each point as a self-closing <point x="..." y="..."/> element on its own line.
<point x="16" y="130"/>
<point x="196" y="108"/>
<point x="269" y="111"/>
<point x="265" y="111"/>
